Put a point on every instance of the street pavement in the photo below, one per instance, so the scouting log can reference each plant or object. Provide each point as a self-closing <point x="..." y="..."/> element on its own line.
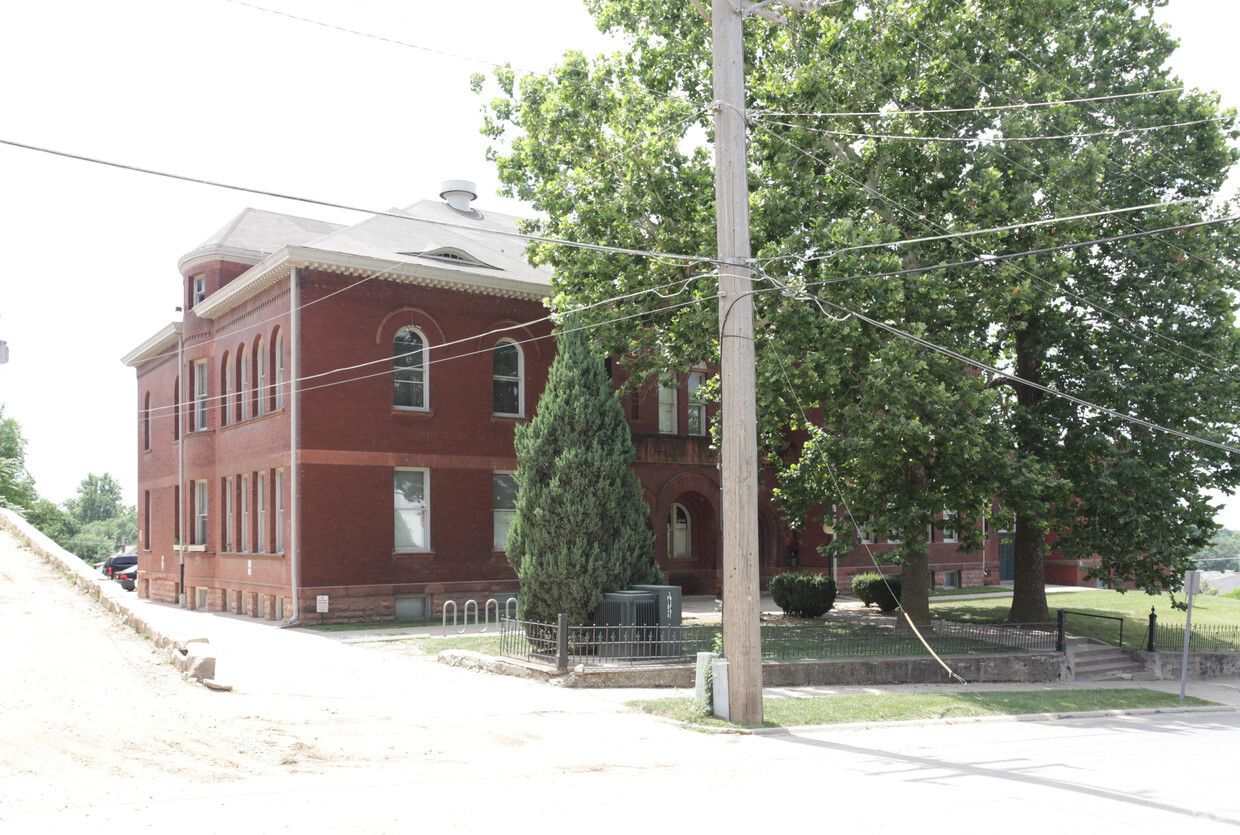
<point x="472" y="752"/>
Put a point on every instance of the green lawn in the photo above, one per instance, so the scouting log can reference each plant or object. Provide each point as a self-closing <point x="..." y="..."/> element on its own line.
<point x="895" y="707"/>
<point x="1132" y="606"/>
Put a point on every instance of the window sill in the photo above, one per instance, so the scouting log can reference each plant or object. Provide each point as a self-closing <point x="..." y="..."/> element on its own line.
<point x="414" y="556"/>
<point x="412" y="413"/>
<point x="498" y="418"/>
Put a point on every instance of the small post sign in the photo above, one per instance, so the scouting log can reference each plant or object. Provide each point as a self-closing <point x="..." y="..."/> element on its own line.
<point x="320" y="604"/>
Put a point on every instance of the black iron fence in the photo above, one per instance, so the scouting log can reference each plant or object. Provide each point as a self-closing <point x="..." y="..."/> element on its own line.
<point x="564" y="646"/>
<point x="1210" y="637"/>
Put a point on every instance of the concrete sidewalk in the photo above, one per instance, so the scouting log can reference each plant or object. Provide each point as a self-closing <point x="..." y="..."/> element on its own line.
<point x="260" y="656"/>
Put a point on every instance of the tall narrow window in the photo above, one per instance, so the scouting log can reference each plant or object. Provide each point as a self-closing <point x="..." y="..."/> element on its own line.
<point x="200" y="288"/>
<point x="697" y="409"/>
<point x="409" y="359"/>
<point x="200" y="512"/>
<point x="200" y="395"/>
<point x="948" y="526"/>
<point x="230" y="522"/>
<point x="280" y="369"/>
<point x="146" y="422"/>
<point x="176" y="410"/>
<point x="279" y="489"/>
<point x="146" y="520"/>
<point x="504" y="507"/>
<point x="506" y="362"/>
<point x="260" y="359"/>
<point x="679" y="533"/>
<point x="667" y="405"/>
<point x="411" y="502"/>
<point x="245" y="513"/>
<point x="260" y="498"/>
<point x="243" y="383"/>
<point x="176" y="514"/>
<point x="226" y="400"/>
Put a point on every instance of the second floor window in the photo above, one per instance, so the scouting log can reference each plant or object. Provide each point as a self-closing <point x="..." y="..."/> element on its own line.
<point x="667" y="405"/>
<point x="409" y="358"/>
<point x="697" y="409"/>
<point x="200" y="395"/>
<point x="506" y="379"/>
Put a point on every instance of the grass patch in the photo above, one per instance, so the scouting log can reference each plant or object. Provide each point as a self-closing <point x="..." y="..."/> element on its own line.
<point x="382" y="625"/>
<point x="976" y="590"/>
<point x="1132" y="606"/>
<point x="419" y="647"/>
<point x="898" y="707"/>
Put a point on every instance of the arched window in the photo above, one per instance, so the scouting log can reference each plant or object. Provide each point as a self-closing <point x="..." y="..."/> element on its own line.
<point x="508" y="379"/>
<point x="679" y="533"/>
<point x="279" y="369"/>
<point x="409" y="360"/>
<point x="226" y="403"/>
<point x="243" y="384"/>
<point x="260" y="359"/>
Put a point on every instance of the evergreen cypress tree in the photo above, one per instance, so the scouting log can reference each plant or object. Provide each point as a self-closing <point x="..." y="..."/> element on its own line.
<point x="580" y="528"/>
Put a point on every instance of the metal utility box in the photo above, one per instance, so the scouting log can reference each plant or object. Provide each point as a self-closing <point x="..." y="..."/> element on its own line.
<point x="667" y="637"/>
<point x="627" y="617"/>
<point x="669" y="600"/>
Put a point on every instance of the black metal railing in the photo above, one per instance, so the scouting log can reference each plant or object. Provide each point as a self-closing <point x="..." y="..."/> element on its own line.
<point x="1211" y="637"/>
<point x="564" y="646"/>
<point x="1064" y="614"/>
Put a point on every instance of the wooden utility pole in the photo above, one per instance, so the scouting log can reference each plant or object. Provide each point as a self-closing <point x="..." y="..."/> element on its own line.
<point x="739" y="460"/>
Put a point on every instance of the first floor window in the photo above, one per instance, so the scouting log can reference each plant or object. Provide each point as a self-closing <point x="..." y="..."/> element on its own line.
<point x="261" y="498"/>
<point x="679" y="541"/>
<point x="229" y="520"/>
<point x="245" y="513"/>
<point x="504" y="507"/>
<point x="948" y="526"/>
<point x="200" y="513"/>
<point x="279" y="511"/>
<point x="411" y="500"/>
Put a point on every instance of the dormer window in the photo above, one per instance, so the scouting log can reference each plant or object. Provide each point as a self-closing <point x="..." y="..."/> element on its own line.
<point x="450" y="255"/>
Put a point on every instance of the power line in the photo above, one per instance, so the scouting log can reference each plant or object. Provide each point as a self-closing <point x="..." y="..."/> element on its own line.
<point x="983" y="139"/>
<point x="979" y="109"/>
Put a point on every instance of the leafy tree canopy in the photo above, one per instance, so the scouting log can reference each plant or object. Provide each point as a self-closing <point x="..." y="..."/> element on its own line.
<point x="899" y="152"/>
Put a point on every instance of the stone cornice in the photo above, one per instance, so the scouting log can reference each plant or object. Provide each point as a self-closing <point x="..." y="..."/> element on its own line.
<point x="168" y="336"/>
<point x="277" y="267"/>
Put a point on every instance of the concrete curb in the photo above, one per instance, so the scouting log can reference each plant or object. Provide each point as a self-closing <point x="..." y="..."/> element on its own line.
<point x="198" y="665"/>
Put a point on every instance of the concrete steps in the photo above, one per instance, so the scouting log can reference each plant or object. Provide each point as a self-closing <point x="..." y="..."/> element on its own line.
<point x="1089" y="661"/>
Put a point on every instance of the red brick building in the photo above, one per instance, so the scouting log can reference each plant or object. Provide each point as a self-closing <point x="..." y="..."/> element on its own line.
<point x="334" y="417"/>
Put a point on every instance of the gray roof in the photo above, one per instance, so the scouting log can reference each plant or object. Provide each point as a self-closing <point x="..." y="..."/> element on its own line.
<point x="255" y="234"/>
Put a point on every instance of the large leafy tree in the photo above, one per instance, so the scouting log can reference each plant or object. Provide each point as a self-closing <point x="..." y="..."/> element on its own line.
<point x="98" y="499"/>
<point x="966" y="140"/>
<point x="17" y="489"/>
<point x="580" y="527"/>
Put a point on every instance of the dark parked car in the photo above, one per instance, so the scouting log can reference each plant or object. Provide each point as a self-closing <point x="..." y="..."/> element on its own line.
<point x="116" y="563"/>
<point x="127" y="577"/>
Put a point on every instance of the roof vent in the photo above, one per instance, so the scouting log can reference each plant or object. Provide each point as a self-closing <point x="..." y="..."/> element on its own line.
<point x="458" y="193"/>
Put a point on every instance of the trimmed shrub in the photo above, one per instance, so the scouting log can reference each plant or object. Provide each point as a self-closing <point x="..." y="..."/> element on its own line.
<point x="872" y="589"/>
<point x="886" y="594"/>
<point x="803" y="595"/>
<point x="862" y="585"/>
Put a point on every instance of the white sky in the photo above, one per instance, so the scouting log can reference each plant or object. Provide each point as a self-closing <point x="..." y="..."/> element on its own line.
<point x="222" y="91"/>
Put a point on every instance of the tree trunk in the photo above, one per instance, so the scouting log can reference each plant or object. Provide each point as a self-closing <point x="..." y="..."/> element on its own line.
<point x="914" y="581"/>
<point x="1029" y="586"/>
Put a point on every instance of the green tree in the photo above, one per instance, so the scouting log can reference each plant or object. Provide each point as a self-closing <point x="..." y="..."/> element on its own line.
<point x="945" y="156"/>
<point x="1222" y="554"/>
<point x="17" y="489"/>
<point x="580" y="527"/>
<point x="98" y="499"/>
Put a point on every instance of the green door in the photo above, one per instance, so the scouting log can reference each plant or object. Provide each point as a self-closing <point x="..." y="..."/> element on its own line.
<point x="1007" y="556"/>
